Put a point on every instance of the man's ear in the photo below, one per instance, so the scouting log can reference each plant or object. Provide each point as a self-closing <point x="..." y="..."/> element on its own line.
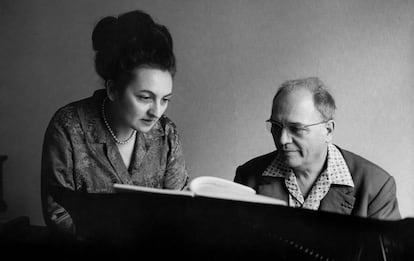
<point x="330" y="127"/>
<point x="111" y="91"/>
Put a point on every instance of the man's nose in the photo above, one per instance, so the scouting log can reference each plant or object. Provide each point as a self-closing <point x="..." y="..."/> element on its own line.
<point x="284" y="137"/>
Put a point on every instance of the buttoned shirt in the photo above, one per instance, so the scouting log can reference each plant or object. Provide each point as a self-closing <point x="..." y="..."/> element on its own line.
<point x="336" y="172"/>
<point x="79" y="154"/>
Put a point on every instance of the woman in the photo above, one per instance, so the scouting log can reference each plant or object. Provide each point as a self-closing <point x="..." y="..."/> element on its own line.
<point x="120" y="134"/>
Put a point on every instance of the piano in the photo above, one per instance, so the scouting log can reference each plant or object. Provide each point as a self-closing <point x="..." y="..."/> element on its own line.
<point x="174" y="226"/>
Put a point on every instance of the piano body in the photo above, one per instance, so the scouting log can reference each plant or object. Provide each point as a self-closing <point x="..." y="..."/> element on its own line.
<point x="209" y="227"/>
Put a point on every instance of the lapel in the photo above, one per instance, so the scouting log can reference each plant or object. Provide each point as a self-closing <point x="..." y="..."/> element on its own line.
<point x="100" y="141"/>
<point x="339" y="199"/>
<point x="115" y="158"/>
<point x="98" y="138"/>
<point x="144" y="143"/>
<point x="273" y="187"/>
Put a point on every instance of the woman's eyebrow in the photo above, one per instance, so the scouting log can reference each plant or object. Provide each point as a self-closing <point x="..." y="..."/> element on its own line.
<point x="153" y="94"/>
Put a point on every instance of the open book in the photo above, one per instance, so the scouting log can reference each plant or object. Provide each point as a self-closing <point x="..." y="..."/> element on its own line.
<point x="208" y="186"/>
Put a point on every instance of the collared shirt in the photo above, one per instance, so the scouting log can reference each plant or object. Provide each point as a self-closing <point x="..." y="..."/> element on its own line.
<point x="79" y="154"/>
<point x="336" y="172"/>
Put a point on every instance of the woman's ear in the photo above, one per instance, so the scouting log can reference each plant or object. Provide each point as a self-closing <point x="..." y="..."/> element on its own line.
<point x="330" y="127"/>
<point x="110" y="90"/>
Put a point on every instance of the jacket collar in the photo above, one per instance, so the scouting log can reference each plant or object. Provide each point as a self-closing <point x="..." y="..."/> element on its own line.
<point x="337" y="169"/>
<point x="96" y="135"/>
<point x="90" y="114"/>
<point x="339" y="198"/>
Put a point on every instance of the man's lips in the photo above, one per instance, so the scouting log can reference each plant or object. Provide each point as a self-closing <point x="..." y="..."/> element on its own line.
<point x="289" y="151"/>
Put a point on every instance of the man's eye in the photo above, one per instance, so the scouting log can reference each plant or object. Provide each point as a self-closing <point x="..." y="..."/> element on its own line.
<point x="276" y="127"/>
<point x="297" y="129"/>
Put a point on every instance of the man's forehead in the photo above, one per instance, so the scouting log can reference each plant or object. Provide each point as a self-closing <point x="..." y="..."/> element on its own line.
<point x="294" y="98"/>
<point x="297" y="103"/>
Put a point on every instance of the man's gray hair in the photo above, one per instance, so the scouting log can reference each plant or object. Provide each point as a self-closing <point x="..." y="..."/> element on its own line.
<point x="323" y="100"/>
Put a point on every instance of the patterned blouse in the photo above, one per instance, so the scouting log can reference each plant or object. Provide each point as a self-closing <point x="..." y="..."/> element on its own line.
<point x="79" y="154"/>
<point x="336" y="172"/>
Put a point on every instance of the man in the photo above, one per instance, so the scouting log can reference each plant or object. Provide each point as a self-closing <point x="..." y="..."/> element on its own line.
<point x="307" y="170"/>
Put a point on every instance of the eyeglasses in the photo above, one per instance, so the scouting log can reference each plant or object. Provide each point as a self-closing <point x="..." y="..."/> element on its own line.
<point x="296" y="129"/>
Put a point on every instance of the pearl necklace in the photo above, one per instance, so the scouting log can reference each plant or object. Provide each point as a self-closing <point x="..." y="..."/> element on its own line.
<point x="110" y="129"/>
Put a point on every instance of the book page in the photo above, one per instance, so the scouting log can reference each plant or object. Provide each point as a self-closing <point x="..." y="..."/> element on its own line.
<point x="134" y="188"/>
<point x="215" y="187"/>
<point x="207" y="185"/>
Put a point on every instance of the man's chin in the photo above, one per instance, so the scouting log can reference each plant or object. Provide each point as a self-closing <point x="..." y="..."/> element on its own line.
<point x="291" y="161"/>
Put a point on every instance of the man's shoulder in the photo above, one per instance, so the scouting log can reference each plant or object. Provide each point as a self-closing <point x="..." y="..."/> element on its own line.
<point x="259" y="162"/>
<point x="250" y="171"/>
<point x="362" y="167"/>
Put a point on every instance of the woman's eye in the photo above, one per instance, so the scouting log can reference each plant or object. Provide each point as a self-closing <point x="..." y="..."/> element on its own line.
<point x="144" y="98"/>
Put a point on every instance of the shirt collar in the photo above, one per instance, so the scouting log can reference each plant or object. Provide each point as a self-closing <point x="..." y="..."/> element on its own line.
<point x="337" y="170"/>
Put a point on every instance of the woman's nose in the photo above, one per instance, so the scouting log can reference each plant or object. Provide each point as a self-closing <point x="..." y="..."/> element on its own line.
<point x="155" y="110"/>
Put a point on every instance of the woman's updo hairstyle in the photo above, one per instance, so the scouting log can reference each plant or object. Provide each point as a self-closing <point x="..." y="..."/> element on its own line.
<point x="128" y="42"/>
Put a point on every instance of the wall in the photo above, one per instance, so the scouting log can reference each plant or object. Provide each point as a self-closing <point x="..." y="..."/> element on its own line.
<point x="231" y="57"/>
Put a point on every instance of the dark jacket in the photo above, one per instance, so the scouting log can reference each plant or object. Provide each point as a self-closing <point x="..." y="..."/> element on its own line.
<point x="373" y="194"/>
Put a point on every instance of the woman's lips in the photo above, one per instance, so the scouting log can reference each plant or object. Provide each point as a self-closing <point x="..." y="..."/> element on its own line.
<point x="148" y="121"/>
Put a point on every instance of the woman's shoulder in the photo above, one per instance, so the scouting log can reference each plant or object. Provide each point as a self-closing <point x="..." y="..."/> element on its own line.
<point x="65" y="115"/>
<point x="168" y="128"/>
<point x="68" y="115"/>
<point x="167" y="124"/>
